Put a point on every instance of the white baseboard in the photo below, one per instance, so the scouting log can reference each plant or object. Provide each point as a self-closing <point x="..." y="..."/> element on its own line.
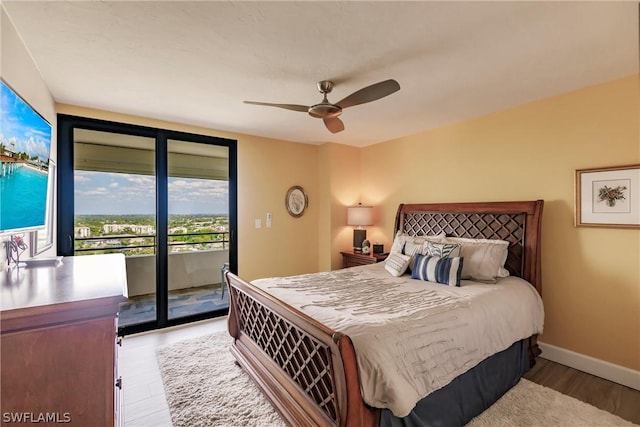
<point x="591" y="365"/>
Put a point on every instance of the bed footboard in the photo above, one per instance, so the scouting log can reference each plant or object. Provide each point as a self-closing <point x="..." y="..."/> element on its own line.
<point x="307" y="370"/>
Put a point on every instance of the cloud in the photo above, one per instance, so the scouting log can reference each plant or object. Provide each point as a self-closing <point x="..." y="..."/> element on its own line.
<point x="37" y="147"/>
<point x="99" y="191"/>
<point x="148" y="181"/>
<point x="198" y="187"/>
<point x="80" y="178"/>
<point x="108" y="192"/>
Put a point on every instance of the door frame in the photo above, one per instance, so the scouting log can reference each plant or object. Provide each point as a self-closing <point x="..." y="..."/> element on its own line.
<point x="65" y="212"/>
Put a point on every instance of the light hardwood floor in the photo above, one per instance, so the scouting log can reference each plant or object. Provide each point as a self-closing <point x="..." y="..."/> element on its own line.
<point x="145" y="404"/>
<point x="606" y="395"/>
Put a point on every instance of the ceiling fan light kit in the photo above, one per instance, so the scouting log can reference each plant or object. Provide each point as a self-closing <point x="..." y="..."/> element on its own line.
<point x="329" y="112"/>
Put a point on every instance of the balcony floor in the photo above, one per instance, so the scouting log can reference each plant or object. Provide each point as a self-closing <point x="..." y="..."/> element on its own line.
<point x="182" y="302"/>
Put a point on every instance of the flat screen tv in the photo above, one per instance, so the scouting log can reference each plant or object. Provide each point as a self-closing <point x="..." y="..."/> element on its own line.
<point x="25" y="145"/>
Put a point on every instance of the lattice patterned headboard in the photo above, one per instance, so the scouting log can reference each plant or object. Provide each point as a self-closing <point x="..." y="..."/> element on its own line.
<point x="519" y="223"/>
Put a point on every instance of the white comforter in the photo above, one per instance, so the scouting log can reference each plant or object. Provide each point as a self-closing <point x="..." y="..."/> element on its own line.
<point x="413" y="337"/>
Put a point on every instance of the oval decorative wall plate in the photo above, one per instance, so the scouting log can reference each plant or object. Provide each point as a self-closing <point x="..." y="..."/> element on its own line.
<point x="296" y="201"/>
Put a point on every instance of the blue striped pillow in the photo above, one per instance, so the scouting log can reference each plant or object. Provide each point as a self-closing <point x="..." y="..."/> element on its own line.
<point x="440" y="270"/>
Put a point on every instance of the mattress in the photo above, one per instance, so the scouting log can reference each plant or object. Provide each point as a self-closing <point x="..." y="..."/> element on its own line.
<point x="413" y="337"/>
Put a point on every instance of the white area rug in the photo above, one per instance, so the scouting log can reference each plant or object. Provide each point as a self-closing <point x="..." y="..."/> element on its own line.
<point x="204" y="387"/>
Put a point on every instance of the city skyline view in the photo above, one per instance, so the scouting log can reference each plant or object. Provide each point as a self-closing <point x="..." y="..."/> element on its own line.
<point x="106" y="193"/>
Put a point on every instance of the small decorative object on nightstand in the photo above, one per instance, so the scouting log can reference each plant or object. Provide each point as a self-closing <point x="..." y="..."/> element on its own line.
<point x="366" y="247"/>
<point x="352" y="259"/>
<point x="378" y="248"/>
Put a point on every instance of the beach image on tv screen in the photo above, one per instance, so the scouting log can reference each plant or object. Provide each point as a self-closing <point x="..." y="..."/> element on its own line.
<point x="25" y="143"/>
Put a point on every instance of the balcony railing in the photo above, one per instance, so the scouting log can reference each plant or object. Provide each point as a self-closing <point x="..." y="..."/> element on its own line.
<point x="145" y="244"/>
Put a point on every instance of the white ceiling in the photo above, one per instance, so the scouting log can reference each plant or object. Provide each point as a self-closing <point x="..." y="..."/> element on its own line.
<point x="195" y="62"/>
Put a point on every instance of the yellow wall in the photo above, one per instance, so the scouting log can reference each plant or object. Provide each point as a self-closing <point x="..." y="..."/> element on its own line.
<point x="266" y="170"/>
<point x="591" y="277"/>
<point x="339" y="177"/>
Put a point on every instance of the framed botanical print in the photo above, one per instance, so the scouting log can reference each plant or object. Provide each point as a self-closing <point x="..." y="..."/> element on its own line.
<point x="296" y="201"/>
<point x="608" y="197"/>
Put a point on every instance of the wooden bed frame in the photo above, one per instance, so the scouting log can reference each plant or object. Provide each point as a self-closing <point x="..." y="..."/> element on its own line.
<point x="309" y="371"/>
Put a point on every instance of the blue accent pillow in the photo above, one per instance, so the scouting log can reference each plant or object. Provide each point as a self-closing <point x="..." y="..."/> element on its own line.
<point x="440" y="270"/>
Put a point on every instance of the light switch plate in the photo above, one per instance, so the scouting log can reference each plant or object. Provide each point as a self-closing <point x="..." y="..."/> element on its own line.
<point x="258" y="223"/>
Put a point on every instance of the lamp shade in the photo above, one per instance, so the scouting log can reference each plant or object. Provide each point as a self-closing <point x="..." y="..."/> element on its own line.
<point x="360" y="215"/>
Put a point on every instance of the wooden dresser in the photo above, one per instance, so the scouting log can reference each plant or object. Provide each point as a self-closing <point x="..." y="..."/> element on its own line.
<point x="58" y="342"/>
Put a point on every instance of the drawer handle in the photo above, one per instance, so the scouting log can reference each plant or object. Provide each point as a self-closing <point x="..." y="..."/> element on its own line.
<point x="119" y="383"/>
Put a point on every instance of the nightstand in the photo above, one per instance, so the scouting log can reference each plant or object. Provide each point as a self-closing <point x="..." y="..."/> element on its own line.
<point x="352" y="259"/>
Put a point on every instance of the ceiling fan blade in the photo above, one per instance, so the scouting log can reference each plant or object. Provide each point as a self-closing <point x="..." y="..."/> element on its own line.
<point x="370" y="93"/>
<point x="294" y="107"/>
<point x="334" y="124"/>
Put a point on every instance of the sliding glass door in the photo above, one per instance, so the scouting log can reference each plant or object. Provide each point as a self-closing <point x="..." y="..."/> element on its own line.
<point x="115" y="210"/>
<point x="198" y="228"/>
<point x="165" y="199"/>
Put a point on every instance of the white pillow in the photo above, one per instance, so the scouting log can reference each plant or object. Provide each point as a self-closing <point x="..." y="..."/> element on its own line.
<point x="401" y="238"/>
<point x="419" y="240"/>
<point x="483" y="258"/>
<point x="412" y="249"/>
<point x="398" y="243"/>
<point x="441" y="250"/>
<point x="396" y="264"/>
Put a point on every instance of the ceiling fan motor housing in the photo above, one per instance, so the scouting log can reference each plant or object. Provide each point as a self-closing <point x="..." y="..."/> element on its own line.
<point x="324" y="110"/>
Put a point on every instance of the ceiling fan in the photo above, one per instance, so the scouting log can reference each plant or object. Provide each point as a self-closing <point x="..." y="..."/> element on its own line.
<point x="329" y="112"/>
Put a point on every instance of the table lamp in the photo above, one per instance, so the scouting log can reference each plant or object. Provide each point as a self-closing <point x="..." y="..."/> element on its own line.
<point x="359" y="216"/>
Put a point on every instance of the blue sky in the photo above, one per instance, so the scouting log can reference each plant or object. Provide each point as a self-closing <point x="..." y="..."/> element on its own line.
<point x="21" y="128"/>
<point x="108" y="193"/>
